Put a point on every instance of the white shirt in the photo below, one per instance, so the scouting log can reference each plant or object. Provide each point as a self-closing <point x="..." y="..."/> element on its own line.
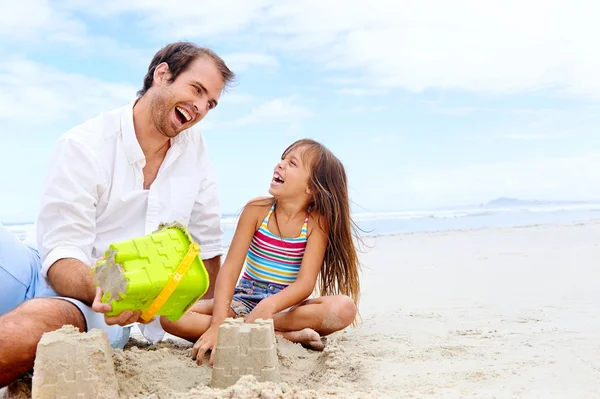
<point x="94" y="193"/>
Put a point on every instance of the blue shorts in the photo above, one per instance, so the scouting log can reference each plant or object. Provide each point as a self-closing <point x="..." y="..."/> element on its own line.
<point x="248" y="293"/>
<point x="20" y="280"/>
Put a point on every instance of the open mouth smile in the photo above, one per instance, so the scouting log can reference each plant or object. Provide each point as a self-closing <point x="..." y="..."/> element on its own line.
<point x="183" y="115"/>
<point x="277" y="180"/>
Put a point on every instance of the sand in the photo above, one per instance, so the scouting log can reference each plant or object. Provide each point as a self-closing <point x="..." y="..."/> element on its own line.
<point x="491" y="313"/>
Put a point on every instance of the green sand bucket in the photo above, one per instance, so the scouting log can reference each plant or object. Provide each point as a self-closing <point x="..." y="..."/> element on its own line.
<point x="159" y="274"/>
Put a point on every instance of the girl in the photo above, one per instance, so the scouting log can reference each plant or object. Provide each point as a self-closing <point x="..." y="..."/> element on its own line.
<point x="283" y="243"/>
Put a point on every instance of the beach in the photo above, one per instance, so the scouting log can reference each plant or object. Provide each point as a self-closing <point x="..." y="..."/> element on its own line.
<point x="510" y="312"/>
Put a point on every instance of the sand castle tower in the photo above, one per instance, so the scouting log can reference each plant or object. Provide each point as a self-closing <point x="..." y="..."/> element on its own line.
<point x="70" y="364"/>
<point x="243" y="349"/>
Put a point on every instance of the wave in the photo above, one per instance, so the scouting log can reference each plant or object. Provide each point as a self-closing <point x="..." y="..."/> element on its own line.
<point x="563" y="208"/>
<point x="409" y="215"/>
<point x="26" y="231"/>
<point x="470" y="212"/>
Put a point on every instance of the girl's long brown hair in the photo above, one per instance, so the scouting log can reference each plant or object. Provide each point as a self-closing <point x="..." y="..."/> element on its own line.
<point x="328" y="183"/>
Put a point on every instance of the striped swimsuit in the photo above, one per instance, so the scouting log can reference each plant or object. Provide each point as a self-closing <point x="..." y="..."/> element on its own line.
<point x="272" y="263"/>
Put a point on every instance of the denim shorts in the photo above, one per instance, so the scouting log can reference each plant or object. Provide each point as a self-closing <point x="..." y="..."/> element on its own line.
<point x="20" y="280"/>
<point x="248" y="293"/>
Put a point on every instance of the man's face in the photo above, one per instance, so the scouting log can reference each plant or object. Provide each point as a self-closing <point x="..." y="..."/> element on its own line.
<point x="180" y="105"/>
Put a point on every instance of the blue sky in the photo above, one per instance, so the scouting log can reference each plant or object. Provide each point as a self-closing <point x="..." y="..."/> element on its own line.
<point x="428" y="104"/>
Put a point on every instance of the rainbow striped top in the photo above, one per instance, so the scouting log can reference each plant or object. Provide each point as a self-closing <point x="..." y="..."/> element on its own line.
<point x="274" y="259"/>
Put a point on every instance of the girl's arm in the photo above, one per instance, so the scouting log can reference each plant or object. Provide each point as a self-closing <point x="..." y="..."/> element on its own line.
<point x="226" y="280"/>
<point x="232" y="267"/>
<point x="304" y="284"/>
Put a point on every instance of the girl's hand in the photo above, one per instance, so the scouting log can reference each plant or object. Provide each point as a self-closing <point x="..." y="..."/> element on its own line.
<point x="260" y="312"/>
<point x="206" y="342"/>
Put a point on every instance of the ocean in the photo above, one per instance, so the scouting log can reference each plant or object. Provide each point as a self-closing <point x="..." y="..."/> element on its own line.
<point x="389" y="223"/>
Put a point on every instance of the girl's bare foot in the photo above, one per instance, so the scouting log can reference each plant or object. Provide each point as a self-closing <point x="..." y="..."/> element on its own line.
<point x="308" y="338"/>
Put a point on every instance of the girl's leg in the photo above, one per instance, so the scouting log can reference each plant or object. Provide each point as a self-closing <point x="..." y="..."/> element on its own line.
<point x="192" y="324"/>
<point x="308" y="321"/>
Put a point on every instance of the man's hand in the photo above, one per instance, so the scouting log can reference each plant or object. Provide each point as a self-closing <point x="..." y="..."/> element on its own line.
<point x="122" y="319"/>
<point x="206" y="342"/>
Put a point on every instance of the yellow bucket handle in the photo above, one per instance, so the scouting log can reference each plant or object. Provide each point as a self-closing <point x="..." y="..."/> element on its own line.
<point x="171" y="286"/>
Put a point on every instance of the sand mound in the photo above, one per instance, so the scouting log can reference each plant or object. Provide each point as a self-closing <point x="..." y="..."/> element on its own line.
<point x="166" y="370"/>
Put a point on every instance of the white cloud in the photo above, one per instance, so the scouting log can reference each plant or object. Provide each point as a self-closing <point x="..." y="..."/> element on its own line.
<point x="541" y="124"/>
<point x="273" y="111"/>
<point x="366" y="108"/>
<point x="494" y="46"/>
<point x="235" y="98"/>
<point x="279" y="110"/>
<point x="452" y="110"/>
<point x="87" y="46"/>
<point x="36" y="25"/>
<point x="238" y="62"/>
<point x="32" y="19"/>
<point x="181" y="18"/>
<point x="343" y="80"/>
<point x="361" y="92"/>
<point x="41" y="95"/>
<point x="524" y="136"/>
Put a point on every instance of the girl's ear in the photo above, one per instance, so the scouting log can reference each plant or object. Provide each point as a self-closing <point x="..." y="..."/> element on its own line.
<point x="308" y="190"/>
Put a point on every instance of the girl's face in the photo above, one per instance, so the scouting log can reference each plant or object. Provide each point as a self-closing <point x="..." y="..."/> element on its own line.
<point x="291" y="175"/>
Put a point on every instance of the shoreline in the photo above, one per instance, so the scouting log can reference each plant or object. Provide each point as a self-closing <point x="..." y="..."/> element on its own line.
<point x="485" y="228"/>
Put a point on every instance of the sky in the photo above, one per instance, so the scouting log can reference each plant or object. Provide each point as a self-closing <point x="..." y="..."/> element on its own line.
<point x="427" y="103"/>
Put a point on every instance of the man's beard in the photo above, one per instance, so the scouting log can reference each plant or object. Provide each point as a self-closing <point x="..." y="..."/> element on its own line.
<point x="160" y="111"/>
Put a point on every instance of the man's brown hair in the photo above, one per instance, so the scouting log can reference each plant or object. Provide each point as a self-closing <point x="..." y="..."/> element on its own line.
<point x="179" y="56"/>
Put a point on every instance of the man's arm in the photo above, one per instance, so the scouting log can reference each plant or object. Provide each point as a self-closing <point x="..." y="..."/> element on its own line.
<point x="71" y="278"/>
<point x="66" y="224"/>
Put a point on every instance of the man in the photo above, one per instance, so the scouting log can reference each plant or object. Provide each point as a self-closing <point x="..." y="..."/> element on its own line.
<point x="112" y="178"/>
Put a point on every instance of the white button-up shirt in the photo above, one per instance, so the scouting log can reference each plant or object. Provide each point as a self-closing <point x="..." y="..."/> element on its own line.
<point x="94" y="193"/>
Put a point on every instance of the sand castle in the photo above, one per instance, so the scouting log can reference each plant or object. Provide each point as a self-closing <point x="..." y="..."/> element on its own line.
<point x="245" y="349"/>
<point x="70" y="364"/>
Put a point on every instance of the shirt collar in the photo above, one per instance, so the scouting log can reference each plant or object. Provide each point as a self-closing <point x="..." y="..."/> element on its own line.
<point x="133" y="150"/>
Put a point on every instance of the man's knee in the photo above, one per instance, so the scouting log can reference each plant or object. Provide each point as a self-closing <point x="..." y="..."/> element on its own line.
<point x="34" y="317"/>
<point x="23" y="328"/>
